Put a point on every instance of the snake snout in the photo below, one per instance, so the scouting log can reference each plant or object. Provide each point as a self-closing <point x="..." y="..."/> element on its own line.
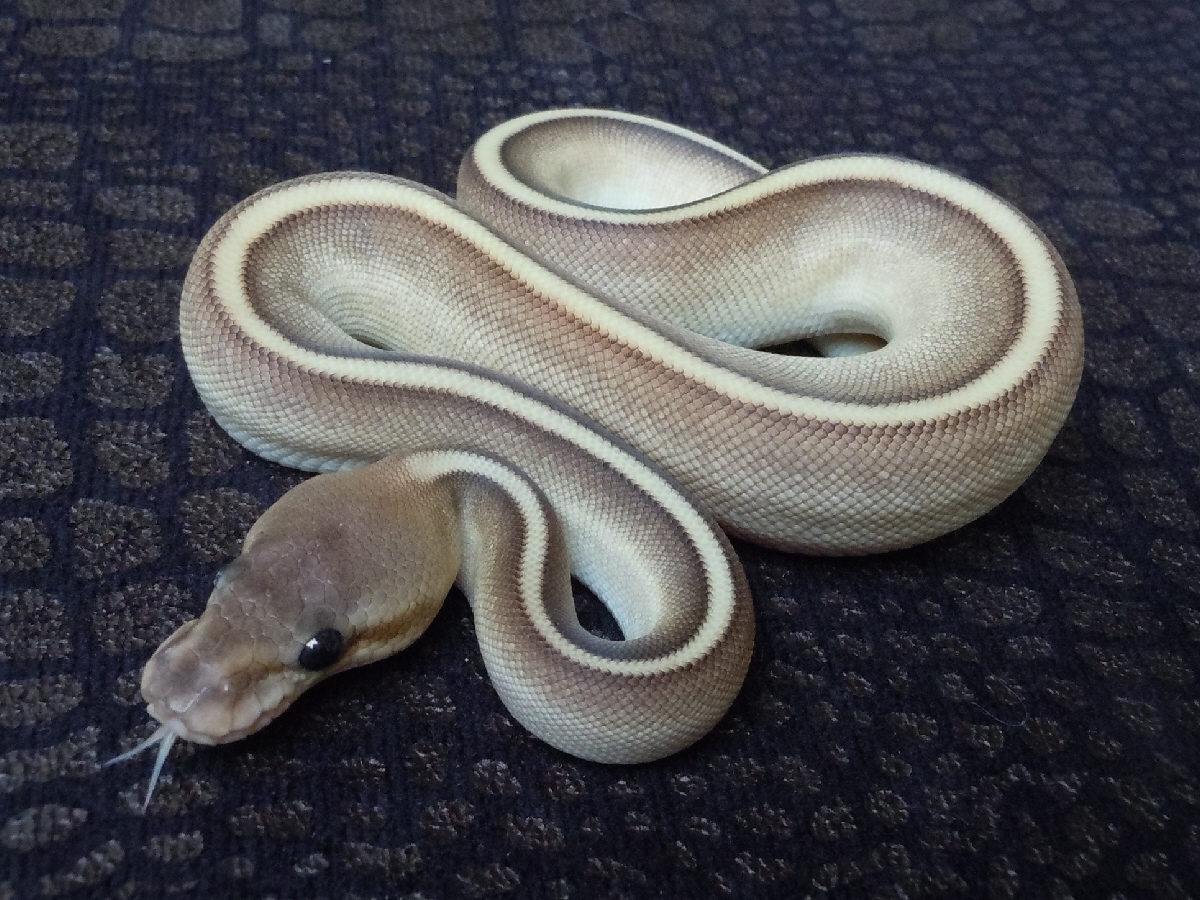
<point x="204" y="684"/>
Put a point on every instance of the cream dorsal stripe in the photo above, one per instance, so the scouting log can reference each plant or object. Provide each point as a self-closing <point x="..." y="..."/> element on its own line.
<point x="853" y="454"/>
<point x="547" y="368"/>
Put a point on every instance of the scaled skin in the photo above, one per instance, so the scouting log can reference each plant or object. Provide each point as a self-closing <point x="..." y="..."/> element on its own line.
<point x="371" y="554"/>
<point x="293" y="295"/>
<point x="303" y="569"/>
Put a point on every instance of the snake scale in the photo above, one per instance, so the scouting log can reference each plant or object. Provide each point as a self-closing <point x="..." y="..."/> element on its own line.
<point x="560" y="370"/>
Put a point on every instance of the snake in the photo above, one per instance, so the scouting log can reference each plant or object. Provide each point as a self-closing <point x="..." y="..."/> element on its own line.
<point x="619" y="343"/>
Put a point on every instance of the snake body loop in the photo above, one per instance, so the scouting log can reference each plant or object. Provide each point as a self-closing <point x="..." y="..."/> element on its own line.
<point x="581" y="319"/>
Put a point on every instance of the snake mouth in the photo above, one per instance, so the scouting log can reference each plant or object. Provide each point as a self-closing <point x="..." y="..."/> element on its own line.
<point x="208" y="701"/>
<point x="207" y="685"/>
<point x="202" y="730"/>
<point x="172" y="728"/>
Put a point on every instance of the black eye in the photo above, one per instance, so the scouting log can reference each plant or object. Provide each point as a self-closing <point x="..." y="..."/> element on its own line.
<point x="322" y="650"/>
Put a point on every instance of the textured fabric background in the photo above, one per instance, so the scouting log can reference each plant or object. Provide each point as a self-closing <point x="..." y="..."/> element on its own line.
<point x="1010" y="711"/>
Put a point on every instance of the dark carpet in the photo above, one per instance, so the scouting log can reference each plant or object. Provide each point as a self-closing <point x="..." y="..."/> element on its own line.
<point x="1010" y="711"/>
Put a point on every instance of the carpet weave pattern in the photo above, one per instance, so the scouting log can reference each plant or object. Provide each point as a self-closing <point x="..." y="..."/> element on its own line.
<point x="1010" y="711"/>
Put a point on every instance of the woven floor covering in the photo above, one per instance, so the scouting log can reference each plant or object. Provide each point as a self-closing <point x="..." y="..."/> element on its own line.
<point x="1010" y="711"/>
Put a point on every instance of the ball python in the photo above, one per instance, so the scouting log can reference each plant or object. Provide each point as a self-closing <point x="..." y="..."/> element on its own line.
<point x="562" y="370"/>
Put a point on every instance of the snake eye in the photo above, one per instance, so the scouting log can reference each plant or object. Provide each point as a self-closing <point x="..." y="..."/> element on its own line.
<point x="322" y="650"/>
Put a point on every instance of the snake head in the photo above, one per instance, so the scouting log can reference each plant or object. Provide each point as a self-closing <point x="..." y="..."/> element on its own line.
<point x="276" y="623"/>
<point x="334" y="575"/>
<point x="343" y="570"/>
